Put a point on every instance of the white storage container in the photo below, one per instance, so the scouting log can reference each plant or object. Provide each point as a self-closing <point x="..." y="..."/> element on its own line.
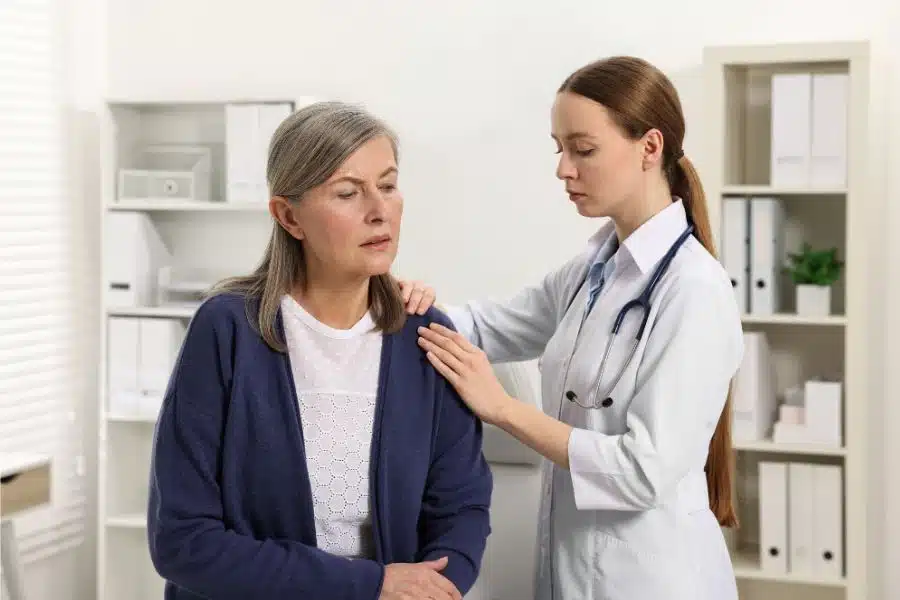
<point x="167" y="172"/>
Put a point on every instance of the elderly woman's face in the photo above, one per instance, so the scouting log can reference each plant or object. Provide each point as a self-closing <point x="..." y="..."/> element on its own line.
<point x="350" y="225"/>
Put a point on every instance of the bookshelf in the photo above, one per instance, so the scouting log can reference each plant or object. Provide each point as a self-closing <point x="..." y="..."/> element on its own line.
<point x="746" y="157"/>
<point x="202" y="230"/>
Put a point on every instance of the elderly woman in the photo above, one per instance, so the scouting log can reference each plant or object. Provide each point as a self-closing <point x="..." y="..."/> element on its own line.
<point x="305" y="449"/>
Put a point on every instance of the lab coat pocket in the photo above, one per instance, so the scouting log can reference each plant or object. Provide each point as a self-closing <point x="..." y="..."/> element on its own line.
<point x="624" y="571"/>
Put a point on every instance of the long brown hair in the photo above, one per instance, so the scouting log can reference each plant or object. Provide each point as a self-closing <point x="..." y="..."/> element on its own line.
<point x="306" y="149"/>
<point x="640" y="97"/>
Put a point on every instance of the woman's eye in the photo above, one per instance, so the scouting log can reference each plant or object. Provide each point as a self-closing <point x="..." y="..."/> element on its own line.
<point x="587" y="152"/>
<point x="346" y="194"/>
<point x="388" y="187"/>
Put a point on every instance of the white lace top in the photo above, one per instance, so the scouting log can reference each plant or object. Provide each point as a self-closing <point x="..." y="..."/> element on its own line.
<point x="336" y="374"/>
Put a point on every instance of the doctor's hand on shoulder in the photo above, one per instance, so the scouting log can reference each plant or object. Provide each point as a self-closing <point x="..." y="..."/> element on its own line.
<point x="464" y="365"/>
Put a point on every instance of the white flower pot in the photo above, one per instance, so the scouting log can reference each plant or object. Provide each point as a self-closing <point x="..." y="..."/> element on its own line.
<point x="813" y="300"/>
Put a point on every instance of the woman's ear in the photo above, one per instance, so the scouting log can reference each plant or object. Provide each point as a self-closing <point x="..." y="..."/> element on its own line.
<point x="652" y="148"/>
<point x="282" y="210"/>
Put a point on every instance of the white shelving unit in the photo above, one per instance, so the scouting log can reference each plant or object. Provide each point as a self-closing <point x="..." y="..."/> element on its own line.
<point x="214" y="234"/>
<point x="738" y="92"/>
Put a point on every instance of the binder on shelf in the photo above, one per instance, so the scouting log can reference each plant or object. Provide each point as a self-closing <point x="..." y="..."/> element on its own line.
<point x="801" y="523"/>
<point x="142" y="353"/>
<point x="249" y="128"/>
<point x="121" y="372"/>
<point x="791" y="129"/>
<point x="828" y="146"/>
<point x="828" y="554"/>
<point x="133" y="254"/>
<point x="773" y="512"/>
<point x="766" y="255"/>
<point x="736" y="248"/>
<point x="754" y="393"/>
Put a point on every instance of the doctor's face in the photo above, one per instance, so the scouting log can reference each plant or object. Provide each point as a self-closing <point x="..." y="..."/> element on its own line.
<point x="600" y="165"/>
<point x="350" y="225"/>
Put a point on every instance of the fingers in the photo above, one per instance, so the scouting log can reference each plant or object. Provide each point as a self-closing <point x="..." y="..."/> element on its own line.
<point x="445" y="363"/>
<point x="436" y="564"/>
<point x="417" y="297"/>
<point x="446" y="586"/>
<point x="456" y="336"/>
<point x="430" y="338"/>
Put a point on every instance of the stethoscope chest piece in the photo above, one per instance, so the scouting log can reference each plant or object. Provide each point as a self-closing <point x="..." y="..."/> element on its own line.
<point x="573" y="397"/>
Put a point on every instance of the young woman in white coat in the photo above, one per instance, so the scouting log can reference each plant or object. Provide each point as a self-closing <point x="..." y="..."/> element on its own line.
<point x="639" y="469"/>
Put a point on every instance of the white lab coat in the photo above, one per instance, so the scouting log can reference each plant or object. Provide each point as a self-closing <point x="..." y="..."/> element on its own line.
<point x="630" y="519"/>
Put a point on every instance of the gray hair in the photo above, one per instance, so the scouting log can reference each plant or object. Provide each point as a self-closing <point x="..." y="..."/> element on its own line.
<point x="306" y="149"/>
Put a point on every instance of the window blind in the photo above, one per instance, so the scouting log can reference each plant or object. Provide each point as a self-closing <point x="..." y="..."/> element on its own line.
<point x="42" y="375"/>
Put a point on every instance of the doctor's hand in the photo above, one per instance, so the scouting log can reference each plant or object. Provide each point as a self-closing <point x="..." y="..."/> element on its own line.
<point x="417" y="296"/>
<point x="418" y="581"/>
<point x="467" y="369"/>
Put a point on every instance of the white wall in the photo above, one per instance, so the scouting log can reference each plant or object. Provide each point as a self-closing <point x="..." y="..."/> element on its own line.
<point x="468" y="85"/>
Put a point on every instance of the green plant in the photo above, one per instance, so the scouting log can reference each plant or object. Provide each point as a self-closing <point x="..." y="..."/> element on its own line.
<point x="815" y="267"/>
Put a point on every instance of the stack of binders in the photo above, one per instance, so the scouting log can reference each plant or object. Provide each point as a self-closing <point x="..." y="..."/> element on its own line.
<point x="753" y="252"/>
<point x="801" y="519"/>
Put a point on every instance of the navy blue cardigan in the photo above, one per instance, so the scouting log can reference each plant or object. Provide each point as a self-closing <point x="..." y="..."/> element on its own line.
<point x="230" y="513"/>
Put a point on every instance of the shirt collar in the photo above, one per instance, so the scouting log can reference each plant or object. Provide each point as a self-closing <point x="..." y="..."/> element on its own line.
<point x="648" y="243"/>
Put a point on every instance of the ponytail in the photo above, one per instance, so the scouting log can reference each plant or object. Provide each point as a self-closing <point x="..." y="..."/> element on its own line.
<point x="720" y="461"/>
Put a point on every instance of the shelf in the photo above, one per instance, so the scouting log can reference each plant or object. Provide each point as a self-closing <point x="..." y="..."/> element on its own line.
<point x="767" y="190"/>
<point x="746" y="566"/>
<point x="121" y="418"/>
<point x="133" y="521"/>
<point x="791" y="319"/>
<point x="169" y="312"/>
<point x="768" y="446"/>
<point x="165" y="205"/>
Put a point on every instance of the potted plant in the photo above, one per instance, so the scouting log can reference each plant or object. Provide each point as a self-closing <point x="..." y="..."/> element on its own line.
<point x="814" y="272"/>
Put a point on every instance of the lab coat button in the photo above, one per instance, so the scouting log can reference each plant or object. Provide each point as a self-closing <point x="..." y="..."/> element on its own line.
<point x="607" y="403"/>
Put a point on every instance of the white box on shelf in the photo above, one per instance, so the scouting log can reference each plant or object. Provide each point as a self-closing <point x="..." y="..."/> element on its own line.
<point x="133" y="254"/>
<point x="249" y="128"/>
<point x="167" y="172"/>
<point x="185" y="286"/>
<point x="813" y="300"/>
<point x="823" y="411"/>
<point x="791" y="125"/>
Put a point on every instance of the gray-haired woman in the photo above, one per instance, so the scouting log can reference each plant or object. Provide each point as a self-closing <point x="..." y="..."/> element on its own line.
<point x="305" y="449"/>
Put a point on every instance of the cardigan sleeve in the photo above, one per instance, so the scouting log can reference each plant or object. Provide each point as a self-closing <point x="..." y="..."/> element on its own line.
<point x="190" y="544"/>
<point x="456" y="505"/>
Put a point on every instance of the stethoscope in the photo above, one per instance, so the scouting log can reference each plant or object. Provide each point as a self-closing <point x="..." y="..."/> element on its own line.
<point x="642" y="303"/>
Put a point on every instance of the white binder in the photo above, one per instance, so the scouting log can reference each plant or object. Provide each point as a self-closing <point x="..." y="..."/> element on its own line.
<point x="773" y="510"/>
<point x="160" y="341"/>
<point x="828" y="555"/>
<point x="791" y="125"/>
<point x="736" y="248"/>
<point x="248" y="132"/>
<point x="122" y="367"/>
<point x="828" y="148"/>
<point x="754" y="402"/>
<point x="766" y="255"/>
<point x="800" y="518"/>
<point x="134" y="254"/>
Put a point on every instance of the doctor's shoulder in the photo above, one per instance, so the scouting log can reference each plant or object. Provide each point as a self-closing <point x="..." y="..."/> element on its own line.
<point x="700" y="288"/>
